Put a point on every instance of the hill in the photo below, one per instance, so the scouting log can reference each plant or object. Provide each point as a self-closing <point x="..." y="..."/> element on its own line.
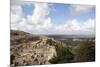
<point x="29" y="49"/>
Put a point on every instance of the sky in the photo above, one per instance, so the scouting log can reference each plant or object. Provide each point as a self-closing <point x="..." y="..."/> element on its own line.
<point x="52" y="18"/>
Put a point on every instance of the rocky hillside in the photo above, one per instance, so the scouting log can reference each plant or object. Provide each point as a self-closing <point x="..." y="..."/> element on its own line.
<point x="29" y="49"/>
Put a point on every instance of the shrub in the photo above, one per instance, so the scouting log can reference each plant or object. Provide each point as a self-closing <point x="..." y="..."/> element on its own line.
<point x="63" y="56"/>
<point x="85" y="52"/>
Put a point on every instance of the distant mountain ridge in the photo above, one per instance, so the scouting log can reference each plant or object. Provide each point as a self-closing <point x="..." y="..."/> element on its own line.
<point x="72" y="36"/>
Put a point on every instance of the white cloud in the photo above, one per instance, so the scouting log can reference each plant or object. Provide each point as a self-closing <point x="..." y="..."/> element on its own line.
<point x="88" y="26"/>
<point x="39" y="14"/>
<point x="41" y="23"/>
<point x="81" y="8"/>
<point x="40" y="19"/>
<point x="73" y="26"/>
<point x="16" y="14"/>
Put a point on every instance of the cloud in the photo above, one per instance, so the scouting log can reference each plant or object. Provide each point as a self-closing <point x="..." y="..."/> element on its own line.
<point x="81" y="8"/>
<point x="40" y="19"/>
<point x="40" y="22"/>
<point x="16" y="13"/>
<point x="88" y="26"/>
<point x="39" y="13"/>
<point x="73" y="26"/>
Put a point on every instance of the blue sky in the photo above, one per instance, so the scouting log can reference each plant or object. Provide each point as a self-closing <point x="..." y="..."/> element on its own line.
<point x="61" y="13"/>
<point x="27" y="9"/>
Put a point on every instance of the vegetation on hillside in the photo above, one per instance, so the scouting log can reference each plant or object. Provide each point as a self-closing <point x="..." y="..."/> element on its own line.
<point x="83" y="52"/>
<point x="64" y="55"/>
